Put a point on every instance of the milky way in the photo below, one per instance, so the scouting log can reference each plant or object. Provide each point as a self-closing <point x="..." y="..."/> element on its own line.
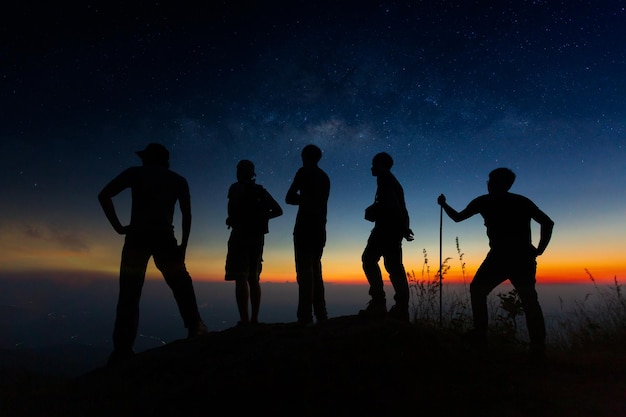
<point x="450" y="89"/>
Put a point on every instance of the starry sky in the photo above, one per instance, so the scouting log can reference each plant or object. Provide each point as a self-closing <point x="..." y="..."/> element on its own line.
<point x="450" y="89"/>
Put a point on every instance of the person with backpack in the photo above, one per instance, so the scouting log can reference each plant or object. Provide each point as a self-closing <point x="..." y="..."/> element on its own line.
<point x="250" y="207"/>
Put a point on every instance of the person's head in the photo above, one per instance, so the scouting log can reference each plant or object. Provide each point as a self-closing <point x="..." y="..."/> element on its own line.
<point x="382" y="162"/>
<point x="155" y="154"/>
<point x="311" y="155"/>
<point x="500" y="180"/>
<point x="245" y="170"/>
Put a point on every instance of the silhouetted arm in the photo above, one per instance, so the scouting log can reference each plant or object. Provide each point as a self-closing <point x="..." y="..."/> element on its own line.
<point x="106" y="201"/>
<point x="273" y="208"/>
<point x="293" y="196"/>
<point x="545" y="233"/>
<point x="185" y="210"/>
<point x="452" y="213"/>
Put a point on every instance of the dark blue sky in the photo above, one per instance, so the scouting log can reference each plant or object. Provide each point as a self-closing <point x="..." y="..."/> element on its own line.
<point x="451" y="89"/>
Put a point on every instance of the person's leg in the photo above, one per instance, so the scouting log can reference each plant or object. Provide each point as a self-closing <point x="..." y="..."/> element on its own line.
<point x="242" y="296"/>
<point x="377" y="307"/>
<point x="370" y="258"/>
<point x="254" y="280"/>
<point x="397" y="274"/>
<point x="133" y="265"/>
<point x="255" y="300"/>
<point x="237" y="269"/>
<point x="170" y="261"/>
<point x="319" y="297"/>
<point x="524" y="282"/>
<point x="489" y="275"/>
<point x="304" y="277"/>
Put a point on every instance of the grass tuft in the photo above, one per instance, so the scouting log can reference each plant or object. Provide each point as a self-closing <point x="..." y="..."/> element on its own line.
<point x="598" y="321"/>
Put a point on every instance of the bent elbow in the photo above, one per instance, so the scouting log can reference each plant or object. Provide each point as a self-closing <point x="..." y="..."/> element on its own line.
<point x="103" y="197"/>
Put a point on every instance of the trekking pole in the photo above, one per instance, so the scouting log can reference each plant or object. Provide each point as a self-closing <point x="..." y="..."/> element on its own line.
<point x="440" y="265"/>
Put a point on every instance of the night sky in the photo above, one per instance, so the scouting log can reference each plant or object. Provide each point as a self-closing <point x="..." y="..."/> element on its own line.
<point x="450" y="89"/>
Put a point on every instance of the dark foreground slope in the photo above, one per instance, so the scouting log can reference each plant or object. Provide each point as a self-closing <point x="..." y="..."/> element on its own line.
<point x="345" y="367"/>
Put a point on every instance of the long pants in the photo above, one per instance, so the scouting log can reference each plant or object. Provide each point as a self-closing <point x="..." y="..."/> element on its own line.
<point x="387" y="245"/>
<point x="168" y="259"/>
<point x="518" y="268"/>
<point x="308" y="249"/>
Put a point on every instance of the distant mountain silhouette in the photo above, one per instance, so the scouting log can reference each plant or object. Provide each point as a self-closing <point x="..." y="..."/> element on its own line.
<point x="343" y="367"/>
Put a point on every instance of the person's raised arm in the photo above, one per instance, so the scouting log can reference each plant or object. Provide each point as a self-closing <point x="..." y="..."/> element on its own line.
<point x="452" y="213"/>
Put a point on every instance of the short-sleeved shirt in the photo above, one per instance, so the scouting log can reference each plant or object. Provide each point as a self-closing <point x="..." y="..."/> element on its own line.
<point x="507" y="218"/>
<point x="313" y="185"/>
<point x="155" y="191"/>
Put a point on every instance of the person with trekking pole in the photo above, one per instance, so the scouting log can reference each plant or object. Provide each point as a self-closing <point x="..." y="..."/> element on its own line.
<point x="511" y="256"/>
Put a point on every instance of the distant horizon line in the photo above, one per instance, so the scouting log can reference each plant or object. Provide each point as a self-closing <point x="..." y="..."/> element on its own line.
<point x="77" y="276"/>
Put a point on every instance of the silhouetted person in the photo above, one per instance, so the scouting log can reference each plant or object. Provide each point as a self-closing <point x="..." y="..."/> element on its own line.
<point x="511" y="256"/>
<point x="391" y="225"/>
<point x="250" y="207"/>
<point x="155" y="190"/>
<point x="309" y="191"/>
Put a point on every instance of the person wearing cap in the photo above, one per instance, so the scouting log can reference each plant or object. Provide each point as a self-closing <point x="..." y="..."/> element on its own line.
<point x="309" y="191"/>
<point x="155" y="190"/>
<point x="250" y="207"/>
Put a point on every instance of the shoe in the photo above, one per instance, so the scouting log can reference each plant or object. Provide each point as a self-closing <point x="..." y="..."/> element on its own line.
<point x="322" y="319"/>
<point x="374" y="310"/>
<point x="305" y="323"/>
<point x="399" y="313"/>
<point x="198" y="330"/>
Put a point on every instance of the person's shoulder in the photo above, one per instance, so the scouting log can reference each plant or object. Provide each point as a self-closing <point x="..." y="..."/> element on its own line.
<point x="393" y="180"/>
<point x="248" y="187"/>
<point x="299" y="174"/>
<point x="481" y="200"/>
<point x="305" y="171"/>
<point x="177" y="179"/>
<point x="260" y="189"/>
<point x="519" y="197"/>
<point x="175" y="175"/>
<point x="132" y="170"/>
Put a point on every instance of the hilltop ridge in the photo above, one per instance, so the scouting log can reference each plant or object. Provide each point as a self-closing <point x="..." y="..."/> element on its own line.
<point x="343" y="367"/>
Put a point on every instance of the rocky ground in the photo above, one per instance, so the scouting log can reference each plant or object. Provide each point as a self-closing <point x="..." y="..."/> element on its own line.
<point x="344" y="367"/>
